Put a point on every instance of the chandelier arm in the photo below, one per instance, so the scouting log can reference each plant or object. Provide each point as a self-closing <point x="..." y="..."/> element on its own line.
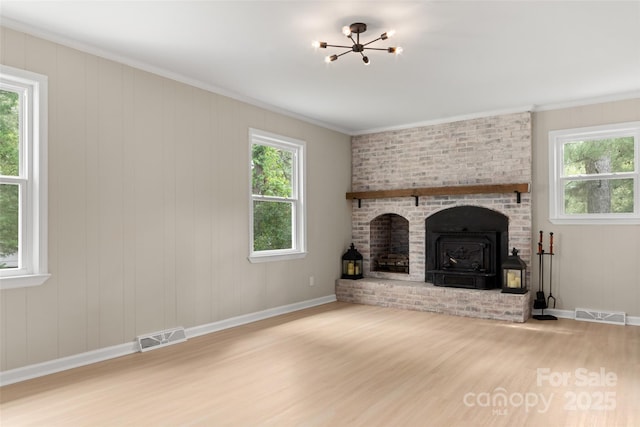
<point x="344" y="53"/>
<point x="366" y="44"/>
<point x="337" y="45"/>
<point x="375" y="48"/>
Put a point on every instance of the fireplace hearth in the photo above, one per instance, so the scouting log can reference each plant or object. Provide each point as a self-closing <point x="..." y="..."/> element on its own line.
<point x="465" y="247"/>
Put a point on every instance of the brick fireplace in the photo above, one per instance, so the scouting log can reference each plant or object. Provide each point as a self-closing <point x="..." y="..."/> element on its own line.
<point x="489" y="150"/>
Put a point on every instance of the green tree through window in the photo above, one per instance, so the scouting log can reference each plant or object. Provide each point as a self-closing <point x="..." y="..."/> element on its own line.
<point x="595" y="161"/>
<point x="272" y="171"/>
<point x="9" y="166"/>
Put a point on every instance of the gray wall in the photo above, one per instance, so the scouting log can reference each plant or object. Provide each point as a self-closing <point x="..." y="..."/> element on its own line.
<point x="596" y="266"/>
<point x="148" y="209"/>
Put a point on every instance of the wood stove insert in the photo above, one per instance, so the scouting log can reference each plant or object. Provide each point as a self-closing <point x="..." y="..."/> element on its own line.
<point x="465" y="247"/>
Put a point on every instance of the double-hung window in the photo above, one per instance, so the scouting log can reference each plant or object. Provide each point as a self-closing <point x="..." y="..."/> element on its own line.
<point x="594" y="175"/>
<point x="277" y="209"/>
<point x="23" y="182"/>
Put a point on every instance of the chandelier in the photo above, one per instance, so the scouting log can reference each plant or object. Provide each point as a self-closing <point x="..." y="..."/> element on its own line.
<point x="357" y="47"/>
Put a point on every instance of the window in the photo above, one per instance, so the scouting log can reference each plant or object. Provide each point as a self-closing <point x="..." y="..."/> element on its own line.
<point x="277" y="210"/>
<point x="594" y="175"/>
<point x="23" y="185"/>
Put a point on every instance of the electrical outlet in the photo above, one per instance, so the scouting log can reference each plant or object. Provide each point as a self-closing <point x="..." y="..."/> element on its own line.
<point x="312" y="281"/>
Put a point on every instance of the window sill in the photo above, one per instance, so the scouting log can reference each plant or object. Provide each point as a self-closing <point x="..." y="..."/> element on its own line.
<point x="14" y="282"/>
<point x="255" y="259"/>
<point x="595" y="221"/>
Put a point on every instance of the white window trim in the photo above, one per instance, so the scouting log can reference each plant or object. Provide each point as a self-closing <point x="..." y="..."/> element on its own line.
<point x="556" y="194"/>
<point x="299" y="249"/>
<point x="33" y="238"/>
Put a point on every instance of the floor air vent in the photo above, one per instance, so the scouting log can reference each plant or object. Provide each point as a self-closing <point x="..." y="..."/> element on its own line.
<point x="613" y="317"/>
<point x="161" y="339"/>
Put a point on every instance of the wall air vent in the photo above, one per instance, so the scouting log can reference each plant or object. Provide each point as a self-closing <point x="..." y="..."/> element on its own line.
<point x="161" y="339"/>
<point x="613" y="317"/>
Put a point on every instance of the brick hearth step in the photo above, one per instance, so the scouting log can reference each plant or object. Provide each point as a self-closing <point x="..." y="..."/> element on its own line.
<point x="423" y="296"/>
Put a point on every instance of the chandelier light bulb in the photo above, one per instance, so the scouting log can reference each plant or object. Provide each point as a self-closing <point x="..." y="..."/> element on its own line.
<point x="388" y="34"/>
<point x="366" y="60"/>
<point x="331" y="58"/>
<point x="396" y="50"/>
<point x="346" y="30"/>
<point x="315" y="44"/>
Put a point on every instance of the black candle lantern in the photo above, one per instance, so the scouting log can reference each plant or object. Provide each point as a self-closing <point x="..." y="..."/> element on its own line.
<point x="513" y="274"/>
<point x="352" y="264"/>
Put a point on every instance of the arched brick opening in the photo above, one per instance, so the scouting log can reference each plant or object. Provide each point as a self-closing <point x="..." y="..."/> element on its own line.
<point x="389" y="243"/>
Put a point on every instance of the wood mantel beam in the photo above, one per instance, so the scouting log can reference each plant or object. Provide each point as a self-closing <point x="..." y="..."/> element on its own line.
<point x="440" y="191"/>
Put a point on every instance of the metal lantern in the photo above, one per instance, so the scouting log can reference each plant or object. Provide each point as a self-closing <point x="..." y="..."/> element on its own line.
<point x="352" y="264"/>
<point x="514" y="272"/>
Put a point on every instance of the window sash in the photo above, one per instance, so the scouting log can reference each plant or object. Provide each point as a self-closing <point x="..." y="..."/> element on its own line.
<point x="611" y="181"/>
<point x="558" y="178"/>
<point x="32" y="253"/>
<point x="291" y="205"/>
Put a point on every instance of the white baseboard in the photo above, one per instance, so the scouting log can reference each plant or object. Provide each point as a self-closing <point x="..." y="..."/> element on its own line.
<point x="259" y="315"/>
<point x="570" y="314"/>
<point x="57" y="365"/>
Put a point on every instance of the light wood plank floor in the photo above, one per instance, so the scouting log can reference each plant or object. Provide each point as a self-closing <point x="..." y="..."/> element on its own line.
<point x="354" y="365"/>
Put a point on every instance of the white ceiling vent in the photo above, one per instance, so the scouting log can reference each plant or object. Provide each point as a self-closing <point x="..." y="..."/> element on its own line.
<point x="613" y="317"/>
<point x="161" y="339"/>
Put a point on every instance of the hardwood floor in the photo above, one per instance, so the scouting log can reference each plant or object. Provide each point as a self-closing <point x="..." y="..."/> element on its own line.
<point x="354" y="365"/>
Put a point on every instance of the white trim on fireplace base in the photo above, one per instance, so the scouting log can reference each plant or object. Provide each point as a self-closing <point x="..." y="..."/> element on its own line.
<point x="57" y="365"/>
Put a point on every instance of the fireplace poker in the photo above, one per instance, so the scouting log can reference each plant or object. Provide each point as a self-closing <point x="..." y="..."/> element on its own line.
<point x="551" y="271"/>
<point x="541" y="302"/>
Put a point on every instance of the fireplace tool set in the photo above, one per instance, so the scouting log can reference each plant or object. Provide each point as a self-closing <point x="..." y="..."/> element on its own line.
<point x="541" y="302"/>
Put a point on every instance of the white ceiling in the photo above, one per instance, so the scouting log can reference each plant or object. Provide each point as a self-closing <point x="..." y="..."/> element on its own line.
<point x="461" y="58"/>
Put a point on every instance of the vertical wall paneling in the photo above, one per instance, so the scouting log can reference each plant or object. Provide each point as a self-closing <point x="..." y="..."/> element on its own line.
<point x="13" y="48"/>
<point x="215" y="159"/>
<point x="170" y="134"/>
<point x="70" y="144"/>
<point x="185" y="198"/>
<point x="128" y="196"/>
<point x="92" y="202"/>
<point x="229" y="302"/>
<point x="111" y="182"/>
<point x="14" y="317"/>
<point x="149" y="203"/>
<point x="149" y="209"/>
<point x="202" y="203"/>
